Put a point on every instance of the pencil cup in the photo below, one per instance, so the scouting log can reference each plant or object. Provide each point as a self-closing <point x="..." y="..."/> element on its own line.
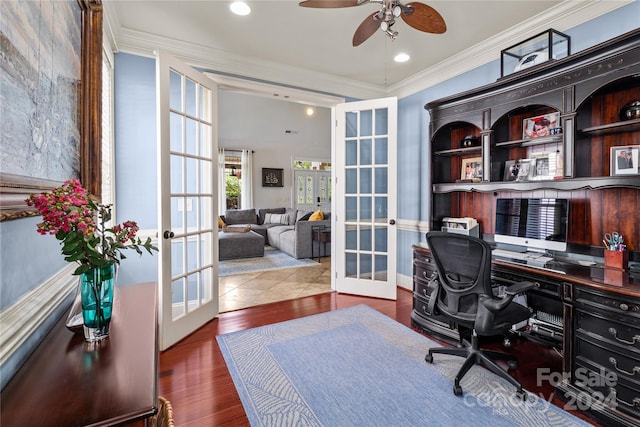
<point x="616" y="259"/>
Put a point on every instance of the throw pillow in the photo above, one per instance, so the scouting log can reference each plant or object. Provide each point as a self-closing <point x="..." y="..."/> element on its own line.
<point x="305" y="217"/>
<point x="293" y="215"/>
<point x="317" y="216"/>
<point x="271" y="218"/>
<point x="221" y="223"/>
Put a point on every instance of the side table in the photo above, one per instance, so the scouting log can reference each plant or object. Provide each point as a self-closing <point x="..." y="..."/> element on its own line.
<point x="320" y="234"/>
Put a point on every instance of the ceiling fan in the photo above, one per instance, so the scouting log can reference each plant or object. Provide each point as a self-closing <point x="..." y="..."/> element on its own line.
<point x="417" y="15"/>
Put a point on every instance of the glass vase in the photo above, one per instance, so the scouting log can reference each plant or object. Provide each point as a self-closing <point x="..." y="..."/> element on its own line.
<point x="96" y="286"/>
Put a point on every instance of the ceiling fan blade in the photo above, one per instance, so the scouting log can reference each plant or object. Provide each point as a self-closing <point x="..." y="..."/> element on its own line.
<point x="366" y="29"/>
<point x="331" y="3"/>
<point x="424" y="18"/>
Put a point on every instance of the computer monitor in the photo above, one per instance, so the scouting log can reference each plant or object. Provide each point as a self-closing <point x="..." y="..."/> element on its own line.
<point x="537" y="224"/>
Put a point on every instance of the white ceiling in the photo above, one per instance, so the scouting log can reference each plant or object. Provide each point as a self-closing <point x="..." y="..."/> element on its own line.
<point x="311" y="48"/>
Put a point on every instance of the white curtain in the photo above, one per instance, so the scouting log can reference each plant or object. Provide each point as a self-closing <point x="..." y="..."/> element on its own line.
<point x="246" y="192"/>
<point x="222" y="183"/>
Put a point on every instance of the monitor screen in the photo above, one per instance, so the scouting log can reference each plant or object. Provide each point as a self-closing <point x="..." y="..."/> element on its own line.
<point x="537" y="224"/>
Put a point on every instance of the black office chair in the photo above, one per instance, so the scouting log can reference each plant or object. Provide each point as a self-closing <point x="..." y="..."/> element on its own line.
<point x="463" y="293"/>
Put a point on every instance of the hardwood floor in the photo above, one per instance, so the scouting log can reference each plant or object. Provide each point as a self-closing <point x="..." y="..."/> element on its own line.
<point x="195" y="379"/>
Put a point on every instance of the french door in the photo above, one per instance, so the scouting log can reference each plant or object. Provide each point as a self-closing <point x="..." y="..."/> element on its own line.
<point x="365" y="193"/>
<point x="187" y="199"/>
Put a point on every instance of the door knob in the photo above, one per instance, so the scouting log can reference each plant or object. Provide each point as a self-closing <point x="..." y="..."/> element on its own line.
<point x="168" y="234"/>
<point x="392" y="221"/>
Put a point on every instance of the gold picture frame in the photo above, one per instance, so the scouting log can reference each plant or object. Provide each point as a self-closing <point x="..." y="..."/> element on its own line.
<point x="471" y="169"/>
<point x="16" y="187"/>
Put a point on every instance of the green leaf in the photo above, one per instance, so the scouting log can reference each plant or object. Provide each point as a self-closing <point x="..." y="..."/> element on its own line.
<point x="82" y="269"/>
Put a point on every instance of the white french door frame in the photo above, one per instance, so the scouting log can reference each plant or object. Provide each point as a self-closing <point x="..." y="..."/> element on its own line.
<point x="365" y="157"/>
<point x="187" y="199"/>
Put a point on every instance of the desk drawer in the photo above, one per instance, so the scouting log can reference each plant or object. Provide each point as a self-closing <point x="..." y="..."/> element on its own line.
<point x="423" y="270"/>
<point x="624" y="363"/>
<point x="617" y="393"/>
<point x="622" y="307"/>
<point x="622" y="331"/>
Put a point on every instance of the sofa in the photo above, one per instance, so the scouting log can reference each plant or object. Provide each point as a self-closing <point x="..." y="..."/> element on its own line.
<point x="286" y="229"/>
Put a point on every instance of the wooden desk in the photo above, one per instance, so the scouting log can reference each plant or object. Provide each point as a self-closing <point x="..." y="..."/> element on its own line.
<point x="597" y="329"/>
<point x="65" y="383"/>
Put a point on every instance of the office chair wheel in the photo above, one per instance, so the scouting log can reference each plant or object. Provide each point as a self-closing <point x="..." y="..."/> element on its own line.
<point x="428" y="358"/>
<point x="457" y="390"/>
<point x="522" y="395"/>
<point x="512" y="365"/>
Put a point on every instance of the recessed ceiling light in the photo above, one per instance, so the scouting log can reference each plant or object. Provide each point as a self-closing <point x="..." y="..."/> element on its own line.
<point x="310" y="111"/>
<point x="240" y="8"/>
<point x="401" y="57"/>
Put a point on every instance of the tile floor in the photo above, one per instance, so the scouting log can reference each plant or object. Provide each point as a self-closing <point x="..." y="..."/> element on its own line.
<point x="251" y="289"/>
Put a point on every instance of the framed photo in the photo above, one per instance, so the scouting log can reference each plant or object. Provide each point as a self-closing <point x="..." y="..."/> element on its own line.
<point x="471" y="169"/>
<point x="543" y="166"/>
<point x="541" y="126"/>
<point x="511" y="169"/>
<point x="524" y="170"/>
<point x="624" y="160"/>
<point x="272" y="177"/>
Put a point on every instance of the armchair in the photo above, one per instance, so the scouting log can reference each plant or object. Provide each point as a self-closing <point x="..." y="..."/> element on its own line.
<point x="463" y="293"/>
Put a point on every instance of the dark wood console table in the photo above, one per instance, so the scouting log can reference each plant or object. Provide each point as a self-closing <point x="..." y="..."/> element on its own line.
<point x="66" y="383"/>
<point x="590" y="313"/>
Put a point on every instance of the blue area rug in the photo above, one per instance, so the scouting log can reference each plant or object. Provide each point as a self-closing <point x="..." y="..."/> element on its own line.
<point x="357" y="367"/>
<point x="273" y="259"/>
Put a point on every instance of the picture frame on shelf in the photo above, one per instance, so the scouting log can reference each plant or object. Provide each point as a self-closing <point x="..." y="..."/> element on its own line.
<point x="543" y="166"/>
<point x="541" y="126"/>
<point x="624" y="160"/>
<point x="471" y="169"/>
<point x="524" y="170"/>
<point x="511" y="170"/>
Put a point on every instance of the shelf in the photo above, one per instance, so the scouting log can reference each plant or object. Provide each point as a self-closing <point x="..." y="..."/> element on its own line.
<point x="559" y="184"/>
<point x="617" y="127"/>
<point x="458" y="151"/>
<point x="531" y="142"/>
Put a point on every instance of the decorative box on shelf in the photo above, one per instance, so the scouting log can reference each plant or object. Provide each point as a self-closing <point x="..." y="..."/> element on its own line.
<point x="550" y="44"/>
<point x="467" y="226"/>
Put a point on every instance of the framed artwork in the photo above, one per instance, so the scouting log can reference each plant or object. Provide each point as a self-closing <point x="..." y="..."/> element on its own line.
<point x="541" y="126"/>
<point x="624" y="160"/>
<point x="272" y="177"/>
<point x="471" y="168"/>
<point x="47" y="145"/>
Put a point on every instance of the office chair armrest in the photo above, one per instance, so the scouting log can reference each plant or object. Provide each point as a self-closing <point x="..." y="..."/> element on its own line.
<point x="519" y="287"/>
<point x="494" y="304"/>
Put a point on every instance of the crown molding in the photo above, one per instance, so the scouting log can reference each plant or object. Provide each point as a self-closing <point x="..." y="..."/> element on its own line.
<point x="221" y="62"/>
<point x="561" y="17"/>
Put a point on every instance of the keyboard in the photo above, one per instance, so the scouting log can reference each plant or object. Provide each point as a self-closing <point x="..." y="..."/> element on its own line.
<point x="534" y="259"/>
<point x="509" y="254"/>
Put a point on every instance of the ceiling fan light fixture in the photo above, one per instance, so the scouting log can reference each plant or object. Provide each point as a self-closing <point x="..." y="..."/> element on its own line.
<point x="240" y="8"/>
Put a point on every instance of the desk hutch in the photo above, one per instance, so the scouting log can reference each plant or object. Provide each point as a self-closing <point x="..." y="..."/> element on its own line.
<point x="592" y="313"/>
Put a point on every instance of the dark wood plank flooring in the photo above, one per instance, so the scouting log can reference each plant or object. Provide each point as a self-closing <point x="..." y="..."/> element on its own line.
<point x="195" y="379"/>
